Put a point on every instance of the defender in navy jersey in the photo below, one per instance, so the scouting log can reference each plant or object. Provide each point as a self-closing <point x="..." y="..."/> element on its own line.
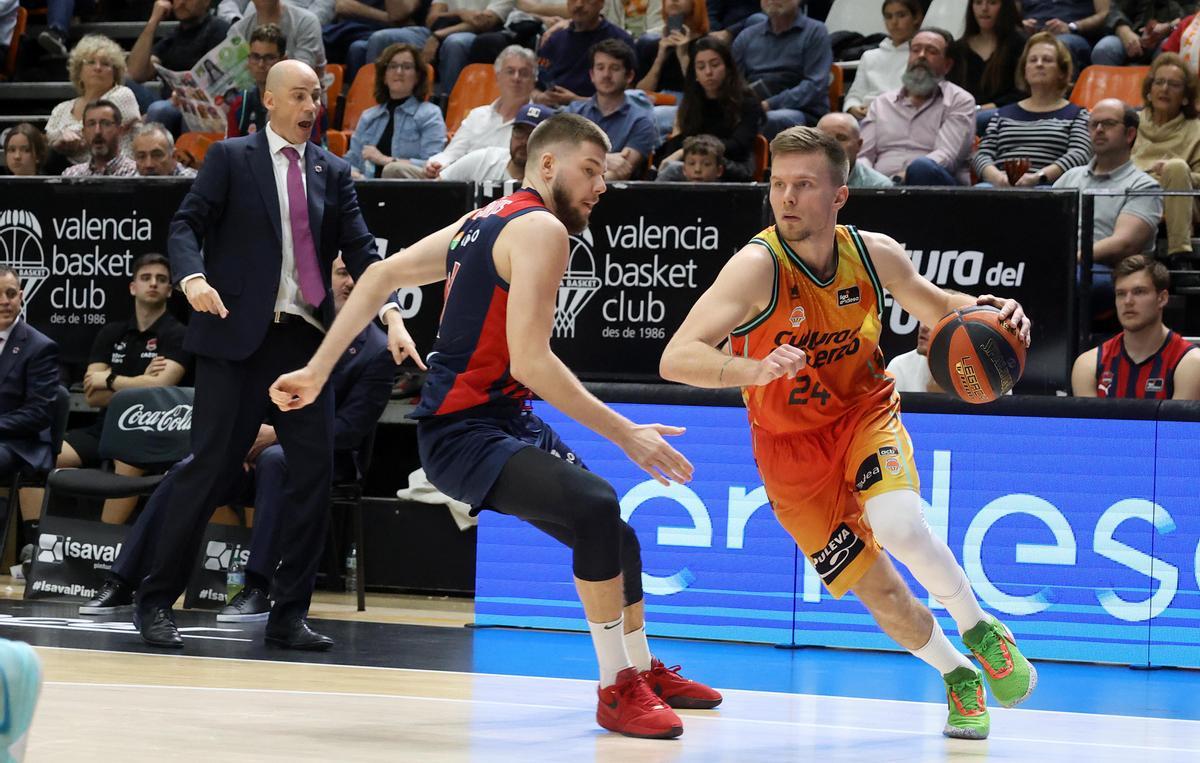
<point x="1146" y="360"/>
<point x="480" y="442"/>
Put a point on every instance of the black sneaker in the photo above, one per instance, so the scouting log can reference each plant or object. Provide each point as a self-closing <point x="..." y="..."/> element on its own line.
<point x="53" y="42"/>
<point x="251" y="605"/>
<point x="113" y="595"/>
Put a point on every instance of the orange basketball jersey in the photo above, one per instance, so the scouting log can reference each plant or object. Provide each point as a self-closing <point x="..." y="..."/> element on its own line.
<point x="836" y="322"/>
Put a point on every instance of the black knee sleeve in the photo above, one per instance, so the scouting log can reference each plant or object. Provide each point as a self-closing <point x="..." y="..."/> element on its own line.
<point x="631" y="564"/>
<point x="597" y="527"/>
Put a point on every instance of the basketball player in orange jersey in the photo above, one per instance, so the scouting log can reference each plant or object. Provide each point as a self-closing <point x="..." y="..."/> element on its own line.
<point x="801" y="306"/>
<point x="479" y="441"/>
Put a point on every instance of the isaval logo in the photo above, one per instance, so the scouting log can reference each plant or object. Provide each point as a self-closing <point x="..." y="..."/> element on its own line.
<point x="218" y="555"/>
<point x="56" y="549"/>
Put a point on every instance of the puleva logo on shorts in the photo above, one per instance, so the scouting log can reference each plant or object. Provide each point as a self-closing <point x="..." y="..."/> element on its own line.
<point x="848" y="296"/>
<point x="843" y="547"/>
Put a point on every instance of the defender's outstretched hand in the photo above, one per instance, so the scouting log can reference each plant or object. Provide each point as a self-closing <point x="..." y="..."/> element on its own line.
<point x="784" y="360"/>
<point x="645" y="446"/>
<point x="297" y="389"/>
<point x="1011" y="311"/>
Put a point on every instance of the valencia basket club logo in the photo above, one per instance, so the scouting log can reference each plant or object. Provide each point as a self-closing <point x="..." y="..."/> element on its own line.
<point x="579" y="284"/>
<point x="21" y="249"/>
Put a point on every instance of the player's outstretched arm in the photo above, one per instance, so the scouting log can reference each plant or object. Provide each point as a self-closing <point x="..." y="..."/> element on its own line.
<point x="535" y="246"/>
<point x="423" y="262"/>
<point x="742" y="291"/>
<point x="1083" y="374"/>
<point x="923" y="299"/>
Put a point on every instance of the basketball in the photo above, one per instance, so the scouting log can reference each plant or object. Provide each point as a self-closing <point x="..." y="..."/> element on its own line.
<point x="976" y="355"/>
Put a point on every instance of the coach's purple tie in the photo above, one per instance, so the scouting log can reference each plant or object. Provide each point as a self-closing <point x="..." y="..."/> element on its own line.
<point x="312" y="285"/>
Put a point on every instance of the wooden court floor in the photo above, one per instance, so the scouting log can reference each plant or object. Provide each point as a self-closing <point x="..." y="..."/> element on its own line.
<point x="112" y="706"/>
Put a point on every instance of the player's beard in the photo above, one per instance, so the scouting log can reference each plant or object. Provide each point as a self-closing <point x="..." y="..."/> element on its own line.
<point x="565" y="210"/>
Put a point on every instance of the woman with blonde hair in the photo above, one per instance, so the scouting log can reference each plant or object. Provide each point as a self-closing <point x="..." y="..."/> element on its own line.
<point x="1168" y="143"/>
<point x="1035" y="140"/>
<point x="97" y="68"/>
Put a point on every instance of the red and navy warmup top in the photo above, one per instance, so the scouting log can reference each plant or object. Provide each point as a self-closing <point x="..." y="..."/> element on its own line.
<point x="1152" y="379"/>
<point x="469" y="364"/>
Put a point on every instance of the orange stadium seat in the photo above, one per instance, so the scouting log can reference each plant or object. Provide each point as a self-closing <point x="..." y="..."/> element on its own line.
<point x="837" y="87"/>
<point x="337" y="74"/>
<point x="338" y="141"/>
<point x="9" y="65"/>
<point x="762" y="151"/>
<point x="192" y="146"/>
<point x="476" y="86"/>
<point x="1096" y="83"/>
<point x="660" y="99"/>
<point x="360" y="98"/>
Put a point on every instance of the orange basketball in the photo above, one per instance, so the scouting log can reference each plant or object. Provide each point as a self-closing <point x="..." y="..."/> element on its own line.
<point x="975" y="355"/>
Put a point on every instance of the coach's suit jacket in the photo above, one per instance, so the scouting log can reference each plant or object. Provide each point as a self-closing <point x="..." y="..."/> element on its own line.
<point x="28" y="391"/>
<point x="229" y="229"/>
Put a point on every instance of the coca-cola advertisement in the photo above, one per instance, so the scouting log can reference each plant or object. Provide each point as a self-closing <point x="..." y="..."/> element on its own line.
<point x="148" y="426"/>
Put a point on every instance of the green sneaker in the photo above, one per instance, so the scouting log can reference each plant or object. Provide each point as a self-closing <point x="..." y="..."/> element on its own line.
<point x="1009" y="675"/>
<point x="968" y="709"/>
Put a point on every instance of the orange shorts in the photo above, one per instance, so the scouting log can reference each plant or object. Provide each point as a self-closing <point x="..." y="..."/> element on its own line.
<point x="818" y="481"/>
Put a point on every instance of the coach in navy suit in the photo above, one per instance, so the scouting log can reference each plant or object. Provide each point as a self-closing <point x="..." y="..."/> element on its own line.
<point x="28" y="385"/>
<point x="253" y="245"/>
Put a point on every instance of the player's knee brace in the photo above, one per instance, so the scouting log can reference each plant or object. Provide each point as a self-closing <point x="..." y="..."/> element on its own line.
<point x="596" y="523"/>
<point x="897" y="520"/>
<point x="631" y="564"/>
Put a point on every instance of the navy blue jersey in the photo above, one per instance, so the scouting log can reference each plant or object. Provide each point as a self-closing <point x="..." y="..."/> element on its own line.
<point x="469" y="365"/>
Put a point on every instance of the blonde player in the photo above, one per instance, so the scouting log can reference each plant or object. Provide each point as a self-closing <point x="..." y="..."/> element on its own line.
<point x="801" y="305"/>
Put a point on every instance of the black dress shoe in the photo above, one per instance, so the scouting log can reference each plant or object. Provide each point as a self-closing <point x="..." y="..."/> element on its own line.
<point x="113" y="595"/>
<point x="297" y="635"/>
<point x="158" y="628"/>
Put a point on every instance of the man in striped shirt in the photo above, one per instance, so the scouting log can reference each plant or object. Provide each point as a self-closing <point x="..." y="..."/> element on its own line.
<point x="1146" y="360"/>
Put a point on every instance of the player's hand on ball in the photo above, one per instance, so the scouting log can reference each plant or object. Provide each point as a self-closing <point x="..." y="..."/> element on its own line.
<point x="784" y="360"/>
<point x="204" y="298"/>
<point x="297" y="389"/>
<point x="1011" y="311"/>
<point x="645" y="446"/>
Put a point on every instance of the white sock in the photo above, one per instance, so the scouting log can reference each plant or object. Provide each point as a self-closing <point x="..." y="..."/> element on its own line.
<point x="638" y="649"/>
<point x="940" y="653"/>
<point x="962" y="605"/>
<point x="609" y="641"/>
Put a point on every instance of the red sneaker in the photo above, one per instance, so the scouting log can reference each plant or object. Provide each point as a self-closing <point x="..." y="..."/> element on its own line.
<point x="629" y="707"/>
<point x="679" y="692"/>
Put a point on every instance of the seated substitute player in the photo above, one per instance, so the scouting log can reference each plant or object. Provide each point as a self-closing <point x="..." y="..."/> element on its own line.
<point x="802" y="307"/>
<point x="478" y="439"/>
<point x="1147" y="359"/>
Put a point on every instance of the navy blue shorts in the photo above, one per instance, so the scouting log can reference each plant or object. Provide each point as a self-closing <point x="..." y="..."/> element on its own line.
<point x="464" y="455"/>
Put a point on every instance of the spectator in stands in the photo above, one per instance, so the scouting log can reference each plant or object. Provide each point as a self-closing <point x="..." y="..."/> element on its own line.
<point x="985" y="59"/>
<point x="28" y="391"/>
<point x="1075" y="23"/>
<point x="454" y="25"/>
<point x="879" y="70"/>
<point x="1146" y="359"/>
<point x="564" y="74"/>
<point x="347" y="37"/>
<point x="665" y="59"/>
<point x="235" y="10"/>
<point x="407" y="127"/>
<point x="1138" y="29"/>
<point x="8" y="22"/>
<point x="300" y="28"/>
<point x="703" y="159"/>
<point x="104" y="134"/>
<point x="154" y="153"/>
<point x="59" y="14"/>
<point x="24" y="150"/>
<point x="491" y="126"/>
<point x="716" y="101"/>
<point x="1123" y="225"/>
<point x="198" y="32"/>
<point x="1045" y="129"/>
<point x="911" y="369"/>
<point x="246" y="111"/>
<point x="97" y="69"/>
<point x="494" y="164"/>
<point x="844" y="129"/>
<point x="629" y="126"/>
<point x="1168" y="144"/>
<point x="921" y="133"/>
<point x="1185" y="41"/>
<point x="787" y="60"/>
<point x="726" y="18"/>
